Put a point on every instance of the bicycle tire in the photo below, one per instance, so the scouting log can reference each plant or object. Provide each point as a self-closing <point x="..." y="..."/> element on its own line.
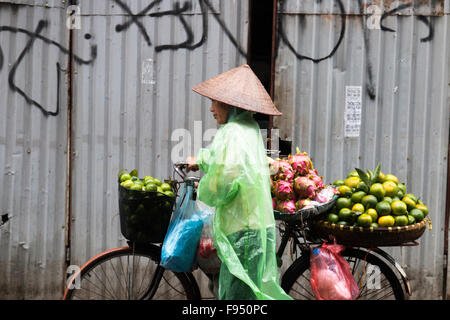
<point x="296" y="281"/>
<point x="105" y="278"/>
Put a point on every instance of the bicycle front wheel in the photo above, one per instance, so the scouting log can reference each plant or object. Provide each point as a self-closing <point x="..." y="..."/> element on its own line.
<point x="375" y="278"/>
<point x="130" y="274"/>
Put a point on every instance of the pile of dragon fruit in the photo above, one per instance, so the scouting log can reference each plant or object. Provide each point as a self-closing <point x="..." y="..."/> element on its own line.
<point x="296" y="185"/>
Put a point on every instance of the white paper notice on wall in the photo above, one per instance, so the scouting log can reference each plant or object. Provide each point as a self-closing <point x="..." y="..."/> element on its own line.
<point x="353" y="106"/>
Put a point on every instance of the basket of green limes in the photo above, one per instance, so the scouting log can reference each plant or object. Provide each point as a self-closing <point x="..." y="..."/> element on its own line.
<point x="145" y="207"/>
<point x="373" y="209"/>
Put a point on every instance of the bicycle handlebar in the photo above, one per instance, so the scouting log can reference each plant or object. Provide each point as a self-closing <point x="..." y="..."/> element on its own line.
<point x="180" y="168"/>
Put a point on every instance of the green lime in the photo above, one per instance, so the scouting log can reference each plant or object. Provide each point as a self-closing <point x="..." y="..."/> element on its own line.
<point x="353" y="174"/>
<point x="338" y="182"/>
<point x="401" y="187"/>
<point x="352" y="182"/>
<point x="378" y="191"/>
<point x="410" y="203"/>
<point x="401" y="220"/>
<point x="124" y="177"/>
<point x="345" y="214"/>
<point x="364" y="220"/>
<point x="151" y="187"/>
<point x="369" y="201"/>
<point x="127" y="184"/>
<point x="398" y="208"/>
<point x="411" y="219"/>
<point x="344" y="223"/>
<point x="390" y="188"/>
<point x="358" y="207"/>
<point x="332" y="218"/>
<point x="383" y="208"/>
<point x="417" y="214"/>
<point x="148" y="180"/>
<point x="374" y="225"/>
<point x="390" y="177"/>
<point x="159" y="190"/>
<point x="345" y="191"/>
<point x="387" y="199"/>
<point x="166" y="187"/>
<point x="422" y="208"/>
<point x="169" y="193"/>
<point x="357" y="196"/>
<point x="136" y="186"/>
<point x="412" y="196"/>
<point x="343" y="203"/>
<point x="373" y="213"/>
<point x="362" y="187"/>
<point x="157" y="181"/>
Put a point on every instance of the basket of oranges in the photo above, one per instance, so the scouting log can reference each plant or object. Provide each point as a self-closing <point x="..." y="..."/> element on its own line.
<point x="372" y="210"/>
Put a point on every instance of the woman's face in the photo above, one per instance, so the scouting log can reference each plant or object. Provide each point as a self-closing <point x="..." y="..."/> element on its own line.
<point x="220" y="111"/>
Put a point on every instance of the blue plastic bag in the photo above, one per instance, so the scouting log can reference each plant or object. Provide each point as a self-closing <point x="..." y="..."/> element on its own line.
<point x="185" y="228"/>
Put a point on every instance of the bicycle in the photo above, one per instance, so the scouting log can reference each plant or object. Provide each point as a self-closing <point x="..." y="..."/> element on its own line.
<point x="133" y="272"/>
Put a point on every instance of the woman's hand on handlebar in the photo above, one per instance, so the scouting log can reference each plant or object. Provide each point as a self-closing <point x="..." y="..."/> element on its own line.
<point x="192" y="164"/>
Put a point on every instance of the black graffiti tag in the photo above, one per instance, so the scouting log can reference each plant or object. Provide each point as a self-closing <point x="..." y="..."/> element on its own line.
<point x="283" y="37"/>
<point x="178" y="11"/>
<point x="33" y="36"/>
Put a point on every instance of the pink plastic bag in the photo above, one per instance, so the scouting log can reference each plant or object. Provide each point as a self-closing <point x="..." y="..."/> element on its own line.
<point x="331" y="278"/>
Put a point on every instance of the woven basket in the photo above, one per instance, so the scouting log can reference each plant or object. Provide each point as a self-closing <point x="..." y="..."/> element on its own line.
<point x="370" y="237"/>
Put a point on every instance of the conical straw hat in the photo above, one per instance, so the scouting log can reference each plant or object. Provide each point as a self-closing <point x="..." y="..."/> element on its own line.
<point x="239" y="87"/>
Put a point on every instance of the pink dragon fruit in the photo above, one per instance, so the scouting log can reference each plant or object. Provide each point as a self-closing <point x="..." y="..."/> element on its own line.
<point x="286" y="206"/>
<point x="300" y="162"/>
<point x="303" y="203"/>
<point x="284" y="190"/>
<point x="305" y="187"/>
<point x="318" y="180"/>
<point x="325" y="195"/>
<point x="281" y="170"/>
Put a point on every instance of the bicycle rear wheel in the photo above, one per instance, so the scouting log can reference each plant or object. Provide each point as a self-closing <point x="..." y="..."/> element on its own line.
<point x="130" y="274"/>
<point x="375" y="278"/>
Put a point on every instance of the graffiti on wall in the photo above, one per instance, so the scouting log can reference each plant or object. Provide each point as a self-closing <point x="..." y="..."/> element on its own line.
<point x="179" y="11"/>
<point x="371" y="17"/>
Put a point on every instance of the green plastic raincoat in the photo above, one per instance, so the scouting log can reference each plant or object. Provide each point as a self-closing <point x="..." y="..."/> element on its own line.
<point x="236" y="182"/>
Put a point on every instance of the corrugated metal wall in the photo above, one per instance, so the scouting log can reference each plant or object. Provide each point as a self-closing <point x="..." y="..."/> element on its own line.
<point x="33" y="57"/>
<point x="402" y="75"/>
<point x="134" y="64"/>
<point x="130" y="101"/>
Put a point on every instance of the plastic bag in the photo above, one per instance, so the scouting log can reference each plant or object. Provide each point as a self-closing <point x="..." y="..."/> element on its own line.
<point x="331" y="278"/>
<point x="207" y="258"/>
<point x="185" y="228"/>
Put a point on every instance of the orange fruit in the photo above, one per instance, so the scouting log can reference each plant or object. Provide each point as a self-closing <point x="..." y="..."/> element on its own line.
<point x="386" y="221"/>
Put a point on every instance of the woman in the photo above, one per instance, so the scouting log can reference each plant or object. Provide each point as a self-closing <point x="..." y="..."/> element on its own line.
<point x="236" y="183"/>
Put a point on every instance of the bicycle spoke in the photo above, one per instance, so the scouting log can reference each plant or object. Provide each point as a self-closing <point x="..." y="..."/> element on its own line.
<point x="105" y="288"/>
<point x="311" y="296"/>
<point x="89" y="280"/>
<point x="115" y="272"/>
<point x="144" y="277"/>
<point x="107" y="278"/>
<point x="163" y="294"/>
<point x="129" y="274"/>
